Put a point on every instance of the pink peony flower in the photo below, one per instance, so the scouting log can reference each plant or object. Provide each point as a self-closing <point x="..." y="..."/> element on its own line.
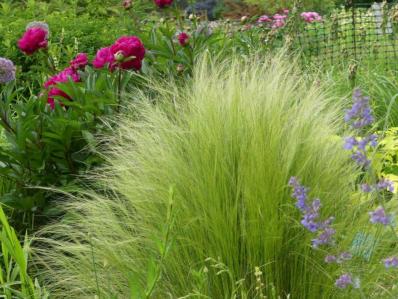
<point x="51" y="84"/>
<point x="264" y="19"/>
<point x="129" y="51"/>
<point x="279" y="21"/>
<point x="80" y="61"/>
<point x="163" y="3"/>
<point x="33" y="39"/>
<point x="103" y="57"/>
<point x="279" y="17"/>
<point x="311" y="17"/>
<point x="53" y="92"/>
<point x="183" y="39"/>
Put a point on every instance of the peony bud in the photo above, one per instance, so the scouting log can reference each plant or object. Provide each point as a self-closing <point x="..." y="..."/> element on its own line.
<point x="119" y="57"/>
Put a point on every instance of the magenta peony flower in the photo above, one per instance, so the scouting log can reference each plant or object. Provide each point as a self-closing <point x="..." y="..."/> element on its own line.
<point x="103" y="57"/>
<point x="80" y="61"/>
<point x="311" y="17"/>
<point x="64" y="76"/>
<point x="126" y="53"/>
<point x="33" y="39"/>
<point x="36" y="24"/>
<point x="183" y="39"/>
<point x="129" y="52"/>
<point x="53" y="92"/>
<point x="163" y="3"/>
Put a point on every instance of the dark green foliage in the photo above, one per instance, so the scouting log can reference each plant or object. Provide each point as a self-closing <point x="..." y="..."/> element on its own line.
<point x="50" y="148"/>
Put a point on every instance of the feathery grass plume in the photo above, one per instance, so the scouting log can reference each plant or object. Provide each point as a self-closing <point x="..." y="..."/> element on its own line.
<point x="227" y="142"/>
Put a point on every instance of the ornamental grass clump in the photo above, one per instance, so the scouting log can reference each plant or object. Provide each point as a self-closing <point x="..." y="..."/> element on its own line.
<point x="227" y="144"/>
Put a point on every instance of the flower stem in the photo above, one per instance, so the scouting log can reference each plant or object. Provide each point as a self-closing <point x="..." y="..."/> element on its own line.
<point x="119" y="89"/>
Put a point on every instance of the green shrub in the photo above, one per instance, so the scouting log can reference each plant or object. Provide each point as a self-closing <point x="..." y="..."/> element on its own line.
<point x="48" y="148"/>
<point x="227" y="143"/>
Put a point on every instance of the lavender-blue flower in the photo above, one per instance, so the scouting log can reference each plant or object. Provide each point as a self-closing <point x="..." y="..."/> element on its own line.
<point x="350" y="143"/>
<point x="360" y="114"/>
<point x="391" y="262"/>
<point x="379" y="216"/>
<point x="7" y="70"/>
<point x="360" y="158"/>
<point x="385" y="184"/>
<point x="343" y="281"/>
<point x="324" y="238"/>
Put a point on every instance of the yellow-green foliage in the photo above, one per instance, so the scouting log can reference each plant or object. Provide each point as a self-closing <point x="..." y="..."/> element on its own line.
<point x="227" y="144"/>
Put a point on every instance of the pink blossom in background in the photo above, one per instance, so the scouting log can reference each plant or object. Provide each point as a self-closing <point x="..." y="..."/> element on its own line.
<point x="127" y="4"/>
<point x="286" y="11"/>
<point x="279" y="17"/>
<point x="163" y="3"/>
<point x="311" y="17"/>
<point x="32" y="40"/>
<point x="264" y="19"/>
<point x="279" y="21"/>
<point x="80" y="61"/>
<point x="183" y="39"/>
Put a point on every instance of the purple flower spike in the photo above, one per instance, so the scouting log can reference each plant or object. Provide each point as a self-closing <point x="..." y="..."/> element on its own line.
<point x="379" y="216"/>
<point x="329" y="259"/>
<point x="373" y="140"/>
<point x="325" y="238"/>
<point x="360" y="114"/>
<point x="350" y="143"/>
<point x="299" y="193"/>
<point x="343" y="257"/>
<point x="366" y="188"/>
<point x="385" y="184"/>
<point x="311" y="215"/>
<point x="391" y="262"/>
<point x="343" y="281"/>
<point x="360" y="158"/>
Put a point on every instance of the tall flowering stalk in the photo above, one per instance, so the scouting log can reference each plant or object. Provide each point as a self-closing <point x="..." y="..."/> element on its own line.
<point x="325" y="233"/>
<point x="360" y="118"/>
<point x="310" y="215"/>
